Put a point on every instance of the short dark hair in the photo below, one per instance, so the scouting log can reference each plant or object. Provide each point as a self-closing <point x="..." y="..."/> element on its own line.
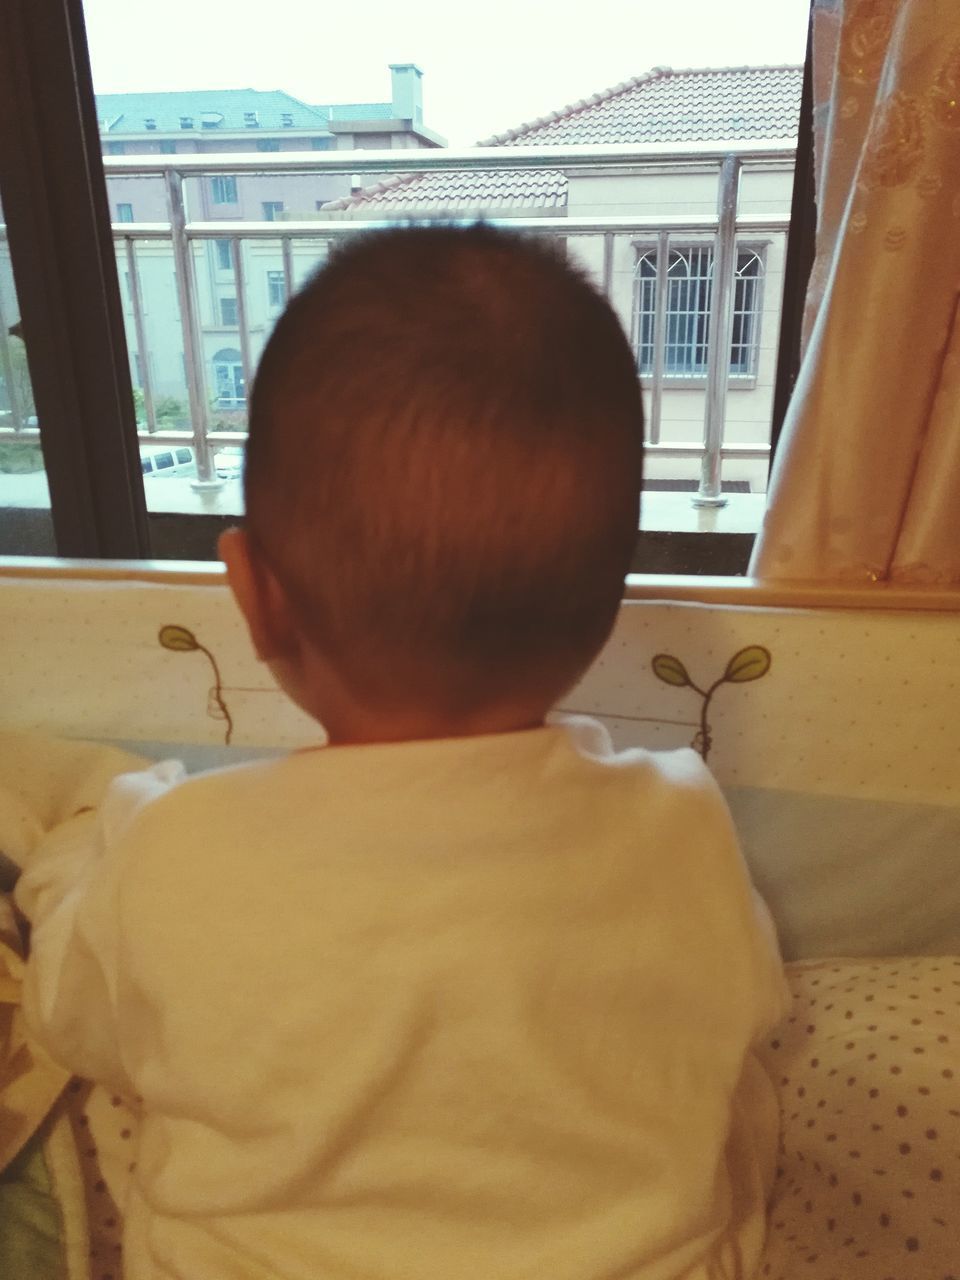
<point x="444" y="463"/>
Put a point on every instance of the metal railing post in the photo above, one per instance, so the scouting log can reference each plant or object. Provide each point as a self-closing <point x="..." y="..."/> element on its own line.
<point x="240" y="284"/>
<point x="192" y="351"/>
<point x="136" y="301"/>
<point x="721" y="333"/>
<point x="287" y="248"/>
<point x="659" y="336"/>
<point x="607" y="265"/>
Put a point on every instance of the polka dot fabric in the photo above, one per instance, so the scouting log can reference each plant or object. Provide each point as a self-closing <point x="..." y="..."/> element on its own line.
<point x="104" y="1128"/>
<point x="867" y="1066"/>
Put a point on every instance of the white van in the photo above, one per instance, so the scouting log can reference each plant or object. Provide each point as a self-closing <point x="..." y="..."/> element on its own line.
<point x="168" y="460"/>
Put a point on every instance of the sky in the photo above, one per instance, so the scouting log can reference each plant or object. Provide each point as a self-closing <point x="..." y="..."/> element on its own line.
<point x="487" y="66"/>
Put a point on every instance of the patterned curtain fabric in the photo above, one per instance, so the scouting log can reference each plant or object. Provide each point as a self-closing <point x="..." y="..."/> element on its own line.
<point x="866" y="485"/>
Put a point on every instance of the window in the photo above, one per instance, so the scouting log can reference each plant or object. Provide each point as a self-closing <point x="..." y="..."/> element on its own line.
<point x="251" y="120"/>
<point x="166" y="371"/>
<point x="286" y="119"/>
<point x="124" y="212"/>
<point x="162" y="461"/>
<point x="268" y="144"/>
<point x="184" y="455"/>
<point x="228" y="379"/>
<point x="150" y="123"/>
<point x="224" y="256"/>
<point x="272" y="210"/>
<point x="186" y="122"/>
<point x="689" y="292"/>
<point x="115" y="149"/>
<point x="228" y="312"/>
<point x="276" y="289"/>
<point x="223" y="189"/>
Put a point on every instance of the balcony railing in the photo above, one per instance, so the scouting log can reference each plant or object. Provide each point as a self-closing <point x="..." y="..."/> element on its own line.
<point x="727" y="160"/>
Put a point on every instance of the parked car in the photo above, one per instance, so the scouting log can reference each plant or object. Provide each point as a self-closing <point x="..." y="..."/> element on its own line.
<point x="169" y="460"/>
<point x="228" y="462"/>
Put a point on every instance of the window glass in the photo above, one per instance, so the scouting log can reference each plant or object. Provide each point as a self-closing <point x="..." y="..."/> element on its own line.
<point x="184" y="455"/>
<point x="743" y="90"/>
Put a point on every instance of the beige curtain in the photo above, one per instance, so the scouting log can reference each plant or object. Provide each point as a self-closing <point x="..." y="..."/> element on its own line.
<point x="866" y="485"/>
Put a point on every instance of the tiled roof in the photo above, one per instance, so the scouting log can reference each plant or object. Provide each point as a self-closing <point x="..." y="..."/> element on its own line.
<point x="710" y="105"/>
<point x="128" y="112"/>
<point x="713" y="104"/>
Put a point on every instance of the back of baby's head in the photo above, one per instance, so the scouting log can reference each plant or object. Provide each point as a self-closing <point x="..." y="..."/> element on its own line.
<point x="444" y="464"/>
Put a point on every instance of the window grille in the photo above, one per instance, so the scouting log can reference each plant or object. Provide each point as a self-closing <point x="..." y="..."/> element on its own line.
<point x="687" y="319"/>
<point x="224" y="189"/>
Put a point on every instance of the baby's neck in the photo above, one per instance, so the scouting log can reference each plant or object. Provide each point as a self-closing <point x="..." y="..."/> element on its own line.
<point x="317" y="686"/>
<point x="366" y="725"/>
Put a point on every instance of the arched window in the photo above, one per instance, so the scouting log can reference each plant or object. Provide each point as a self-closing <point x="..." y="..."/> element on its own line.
<point x="228" y="379"/>
<point x="689" y="290"/>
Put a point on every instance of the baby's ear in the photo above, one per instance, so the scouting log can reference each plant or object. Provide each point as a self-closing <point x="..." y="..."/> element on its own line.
<point x="258" y="594"/>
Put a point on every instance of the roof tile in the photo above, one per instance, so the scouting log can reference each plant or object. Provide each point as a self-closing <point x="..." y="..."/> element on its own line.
<point x="663" y="106"/>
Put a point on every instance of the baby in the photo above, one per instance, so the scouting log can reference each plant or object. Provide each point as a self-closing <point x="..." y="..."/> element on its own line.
<point x="463" y="994"/>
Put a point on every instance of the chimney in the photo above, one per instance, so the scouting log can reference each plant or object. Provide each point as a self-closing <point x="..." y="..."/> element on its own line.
<point x="406" y="92"/>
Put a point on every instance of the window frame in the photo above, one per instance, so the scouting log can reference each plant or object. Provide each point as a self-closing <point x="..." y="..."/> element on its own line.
<point x="65" y="272"/>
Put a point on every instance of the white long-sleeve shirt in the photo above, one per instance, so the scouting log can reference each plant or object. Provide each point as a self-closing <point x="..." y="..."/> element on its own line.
<point x="444" y="1010"/>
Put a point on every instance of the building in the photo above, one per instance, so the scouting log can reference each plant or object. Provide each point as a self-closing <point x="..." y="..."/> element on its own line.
<point x="666" y="107"/>
<point x="221" y="122"/>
